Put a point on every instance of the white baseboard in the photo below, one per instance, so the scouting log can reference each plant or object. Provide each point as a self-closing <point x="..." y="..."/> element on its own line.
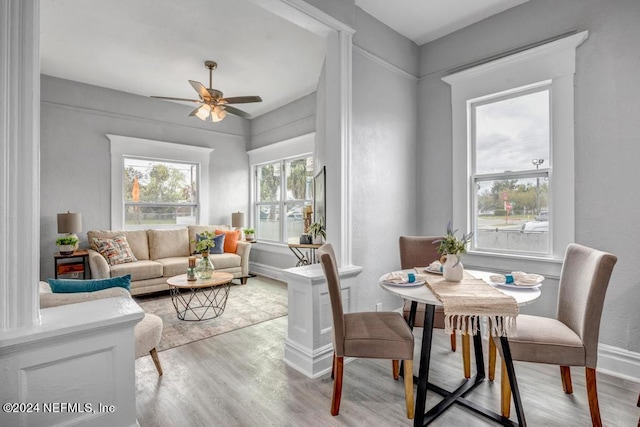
<point x="266" y="270"/>
<point x="619" y="362"/>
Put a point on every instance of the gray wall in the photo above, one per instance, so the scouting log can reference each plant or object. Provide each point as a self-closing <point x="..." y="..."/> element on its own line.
<point x="75" y="160"/>
<point x="291" y="120"/>
<point x="607" y="133"/>
<point x="383" y="170"/>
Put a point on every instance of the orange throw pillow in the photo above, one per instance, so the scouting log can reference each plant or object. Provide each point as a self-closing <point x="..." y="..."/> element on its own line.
<point x="230" y="240"/>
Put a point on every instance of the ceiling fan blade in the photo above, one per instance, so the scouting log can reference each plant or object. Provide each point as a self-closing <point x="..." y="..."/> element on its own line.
<point x="241" y="99"/>
<point x="236" y="111"/>
<point x="175" y="99"/>
<point x="202" y="91"/>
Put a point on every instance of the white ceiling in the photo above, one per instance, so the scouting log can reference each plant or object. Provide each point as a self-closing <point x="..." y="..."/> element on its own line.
<point x="153" y="47"/>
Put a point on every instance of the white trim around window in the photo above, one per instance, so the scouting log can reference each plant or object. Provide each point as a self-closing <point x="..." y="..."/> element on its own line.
<point x="298" y="146"/>
<point x="122" y="146"/>
<point x="555" y="62"/>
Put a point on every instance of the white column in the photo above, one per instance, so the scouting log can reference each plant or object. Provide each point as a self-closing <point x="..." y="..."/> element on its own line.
<point x="309" y="345"/>
<point x="19" y="163"/>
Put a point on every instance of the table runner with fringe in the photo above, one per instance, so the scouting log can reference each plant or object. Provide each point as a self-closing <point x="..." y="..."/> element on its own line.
<point x="467" y="301"/>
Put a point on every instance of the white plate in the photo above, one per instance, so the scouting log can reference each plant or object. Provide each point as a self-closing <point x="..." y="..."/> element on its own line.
<point x="432" y="271"/>
<point x="514" y="286"/>
<point x="416" y="283"/>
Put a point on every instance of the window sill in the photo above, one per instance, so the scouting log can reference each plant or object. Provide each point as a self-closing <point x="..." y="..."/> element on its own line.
<point x="272" y="247"/>
<point x="506" y="263"/>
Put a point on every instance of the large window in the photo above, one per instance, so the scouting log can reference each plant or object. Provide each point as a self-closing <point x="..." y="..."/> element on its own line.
<point x="283" y="189"/>
<point x="510" y="144"/>
<point x="158" y="192"/>
<point x="156" y="184"/>
<point x="513" y="156"/>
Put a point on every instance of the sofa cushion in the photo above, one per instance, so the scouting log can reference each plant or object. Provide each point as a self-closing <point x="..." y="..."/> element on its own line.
<point x="197" y="229"/>
<point x="218" y="241"/>
<point x="231" y="240"/>
<point x="168" y="243"/>
<point x="140" y="270"/>
<point x="137" y="239"/>
<point x="91" y="285"/>
<point x="174" y="266"/>
<point x="115" y="251"/>
<point x="225" y="260"/>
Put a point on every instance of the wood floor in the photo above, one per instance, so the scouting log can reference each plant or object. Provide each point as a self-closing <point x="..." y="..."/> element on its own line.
<point x="239" y="379"/>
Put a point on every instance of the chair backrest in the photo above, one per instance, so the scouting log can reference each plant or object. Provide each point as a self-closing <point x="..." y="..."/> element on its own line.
<point x="418" y="251"/>
<point x="583" y="283"/>
<point x="328" y="261"/>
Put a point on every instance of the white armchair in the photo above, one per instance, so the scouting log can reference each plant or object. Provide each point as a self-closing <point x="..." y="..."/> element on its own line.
<point x="147" y="332"/>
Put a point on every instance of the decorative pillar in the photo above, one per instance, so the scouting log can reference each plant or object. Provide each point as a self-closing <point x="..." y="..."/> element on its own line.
<point x="19" y="163"/>
<point x="309" y="344"/>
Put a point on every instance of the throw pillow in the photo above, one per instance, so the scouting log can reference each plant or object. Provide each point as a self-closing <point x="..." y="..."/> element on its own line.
<point x="116" y="251"/>
<point x="218" y="240"/>
<point x="231" y="240"/>
<point x="66" y="286"/>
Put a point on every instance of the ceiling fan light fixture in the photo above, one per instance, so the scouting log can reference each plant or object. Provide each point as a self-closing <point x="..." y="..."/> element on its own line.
<point x="219" y="112"/>
<point x="203" y="112"/>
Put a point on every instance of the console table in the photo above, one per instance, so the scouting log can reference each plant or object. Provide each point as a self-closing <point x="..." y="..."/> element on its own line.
<point x="304" y="258"/>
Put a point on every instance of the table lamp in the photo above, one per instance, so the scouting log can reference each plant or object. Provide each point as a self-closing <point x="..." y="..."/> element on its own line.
<point x="237" y="219"/>
<point x="70" y="223"/>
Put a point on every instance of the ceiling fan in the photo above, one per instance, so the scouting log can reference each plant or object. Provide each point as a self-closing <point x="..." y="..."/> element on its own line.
<point x="213" y="102"/>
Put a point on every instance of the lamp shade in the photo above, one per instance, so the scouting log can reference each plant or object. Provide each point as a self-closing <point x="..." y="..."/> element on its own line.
<point x="69" y="222"/>
<point x="237" y="219"/>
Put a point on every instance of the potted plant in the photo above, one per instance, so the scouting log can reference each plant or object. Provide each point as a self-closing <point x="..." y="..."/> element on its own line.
<point x="67" y="244"/>
<point x="317" y="231"/>
<point x="451" y="248"/>
<point x="249" y="234"/>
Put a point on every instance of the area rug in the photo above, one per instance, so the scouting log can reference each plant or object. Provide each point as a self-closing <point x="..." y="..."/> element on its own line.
<point x="261" y="299"/>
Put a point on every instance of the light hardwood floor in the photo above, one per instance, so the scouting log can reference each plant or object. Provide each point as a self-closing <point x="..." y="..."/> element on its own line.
<point x="239" y="379"/>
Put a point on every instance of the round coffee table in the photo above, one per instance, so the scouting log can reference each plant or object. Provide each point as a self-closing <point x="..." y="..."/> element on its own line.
<point x="201" y="299"/>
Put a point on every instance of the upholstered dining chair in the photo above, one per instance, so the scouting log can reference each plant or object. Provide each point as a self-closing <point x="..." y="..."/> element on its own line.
<point x="571" y="339"/>
<point x="420" y="251"/>
<point x="376" y="335"/>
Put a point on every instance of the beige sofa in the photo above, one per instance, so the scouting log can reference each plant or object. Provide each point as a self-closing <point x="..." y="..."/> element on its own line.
<point x="162" y="254"/>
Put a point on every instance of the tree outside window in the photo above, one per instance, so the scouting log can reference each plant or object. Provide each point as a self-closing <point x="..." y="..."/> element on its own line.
<point x="159" y="192"/>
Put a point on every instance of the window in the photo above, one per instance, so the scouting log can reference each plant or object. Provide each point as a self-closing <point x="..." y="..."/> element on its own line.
<point x="159" y="193"/>
<point x="510" y="141"/>
<point x="513" y="155"/>
<point x="283" y="189"/>
<point x="172" y="184"/>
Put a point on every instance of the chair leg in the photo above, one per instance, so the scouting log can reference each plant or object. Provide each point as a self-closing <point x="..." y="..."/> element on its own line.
<point x="565" y="375"/>
<point x="408" y="387"/>
<point x="396" y="369"/>
<point x="156" y="361"/>
<point x="453" y="341"/>
<point x="505" y="389"/>
<point x="333" y="365"/>
<point x="466" y="355"/>
<point x="243" y="280"/>
<point x="492" y="359"/>
<point x="337" y="386"/>
<point x="592" y="393"/>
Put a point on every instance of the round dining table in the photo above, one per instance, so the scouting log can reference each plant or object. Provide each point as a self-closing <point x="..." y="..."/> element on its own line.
<point x="419" y="292"/>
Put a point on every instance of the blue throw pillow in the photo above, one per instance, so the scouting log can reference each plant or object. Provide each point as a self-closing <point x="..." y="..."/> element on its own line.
<point x="66" y="286"/>
<point x="218" y="240"/>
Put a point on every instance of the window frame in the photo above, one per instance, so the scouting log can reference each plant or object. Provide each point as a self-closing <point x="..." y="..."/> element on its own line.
<point x="554" y="61"/>
<point x="475" y="177"/>
<point x="282" y="203"/>
<point x="125" y="146"/>
<point x="195" y="205"/>
<point x="297" y="147"/>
